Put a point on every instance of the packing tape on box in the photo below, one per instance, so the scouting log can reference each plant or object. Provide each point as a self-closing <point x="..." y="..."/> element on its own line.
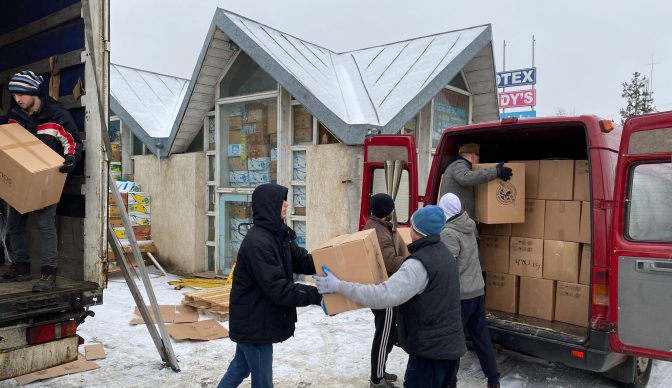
<point x="18" y="144"/>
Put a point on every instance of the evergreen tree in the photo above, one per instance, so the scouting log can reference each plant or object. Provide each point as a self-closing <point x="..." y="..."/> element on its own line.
<point x="639" y="97"/>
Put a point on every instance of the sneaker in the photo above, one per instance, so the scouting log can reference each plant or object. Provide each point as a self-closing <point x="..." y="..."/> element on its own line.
<point x="47" y="280"/>
<point x="382" y="384"/>
<point x="18" y="272"/>
<point x="390" y="376"/>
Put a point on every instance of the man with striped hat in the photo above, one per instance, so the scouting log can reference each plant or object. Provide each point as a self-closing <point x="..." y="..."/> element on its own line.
<point x="53" y="125"/>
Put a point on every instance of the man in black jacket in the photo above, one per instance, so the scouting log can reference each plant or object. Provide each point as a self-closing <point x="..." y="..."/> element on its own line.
<point x="427" y="290"/>
<point x="264" y="297"/>
<point x="48" y="121"/>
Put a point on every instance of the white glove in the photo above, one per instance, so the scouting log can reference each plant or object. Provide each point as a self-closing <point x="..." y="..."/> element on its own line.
<point x="327" y="284"/>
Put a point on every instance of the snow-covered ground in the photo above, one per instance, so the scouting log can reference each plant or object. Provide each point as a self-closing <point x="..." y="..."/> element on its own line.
<point x="325" y="352"/>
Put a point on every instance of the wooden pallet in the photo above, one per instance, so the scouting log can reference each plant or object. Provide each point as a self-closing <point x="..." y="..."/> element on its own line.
<point x="213" y="301"/>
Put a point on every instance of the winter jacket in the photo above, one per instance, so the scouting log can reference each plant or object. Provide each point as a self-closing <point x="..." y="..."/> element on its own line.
<point x="264" y="296"/>
<point x="430" y="324"/>
<point x="391" y="245"/>
<point x="52" y="124"/>
<point x="459" y="236"/>
<point x="460" y="180"/>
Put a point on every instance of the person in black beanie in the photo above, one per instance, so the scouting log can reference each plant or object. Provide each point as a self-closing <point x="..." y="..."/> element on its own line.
<point x="394" y="252"/>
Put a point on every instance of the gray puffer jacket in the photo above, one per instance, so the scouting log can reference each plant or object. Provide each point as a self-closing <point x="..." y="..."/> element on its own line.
<point x="460" y="180"/>
<point x="459" y="235"/>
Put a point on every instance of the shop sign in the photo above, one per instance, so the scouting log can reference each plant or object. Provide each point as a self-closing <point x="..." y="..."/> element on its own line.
<point x="520" y="115"/>
<point x="518" y="77"/>
<point x="517" y="98"/>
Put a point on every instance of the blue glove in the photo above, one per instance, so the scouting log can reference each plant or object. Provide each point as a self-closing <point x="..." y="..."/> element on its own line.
<point x="327" y="284"/>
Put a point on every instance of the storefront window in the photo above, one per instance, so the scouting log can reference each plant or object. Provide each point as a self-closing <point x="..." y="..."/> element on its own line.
<point x="300" y="230"/>
<point x="451" y="109"/>
<point x="248" y="140"/>
<point x="245" y="77"/>
<point x="235" y="221"/>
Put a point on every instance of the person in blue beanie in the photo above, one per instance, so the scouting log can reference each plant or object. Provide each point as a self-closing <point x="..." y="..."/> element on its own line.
<point x="427" y="290"/>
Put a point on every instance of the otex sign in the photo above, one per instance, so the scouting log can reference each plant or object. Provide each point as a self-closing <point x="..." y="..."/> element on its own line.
<point x="518" y="77"/>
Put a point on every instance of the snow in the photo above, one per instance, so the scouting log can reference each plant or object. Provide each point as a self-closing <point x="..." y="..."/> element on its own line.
<point x="325" y="352"/>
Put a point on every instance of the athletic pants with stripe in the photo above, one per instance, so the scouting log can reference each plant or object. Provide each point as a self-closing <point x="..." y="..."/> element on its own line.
<point x="383" y="340"/>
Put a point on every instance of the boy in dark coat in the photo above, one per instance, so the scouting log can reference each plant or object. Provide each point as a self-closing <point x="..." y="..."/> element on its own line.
<point x="264" y="297"/>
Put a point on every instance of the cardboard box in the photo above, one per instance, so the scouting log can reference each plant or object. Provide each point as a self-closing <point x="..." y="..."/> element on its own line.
<point x="499" y="202"/>
<point x="585" y="223"/>
<point x="258" y="150"/>
<point x="258" y="177"/>
<point x="299" y="211"/>
<point x="501" y="292"/>
<point x="556" y="180"/>
<point x="572" y="303"/>
<point x="237" y="163"/>
<point x="302" y="118"/>
<point x="236" y="136"/>
<point x="561" y="261"/>
<point x="581" y="180"/>
<point x="138" y="218"/>
<point x="272" y="119"/>
<point x="352" y="257"/>
<point x="113" y="211"/>
<point x="537" y="298"/>
<point x="495" y="229"/>
<point x="116" y="147"/>
<point x="139" y="208"/>
<point x="535" y="215"/>
<point x="29" y="176"/>
<point x="405" y="234"/>
<point x="116" y="222"/>
<point x="526" y="257"/>
<point x="531" y="177"/>
<point x="303" y="135"/>
<point x="495" y="253"/>
<point x="236" y="149"/>
<point x="115" y="157"/>
<point x="235" y="122"/>
<point x="562" y="220"/>
<point x="586" y="259"/>
<point x="259" y="164"/>
<point x="124" y="199"/>
<point x="254" y="115"/>
<point x="139" y="198"/>
<point x="240" y="211"/>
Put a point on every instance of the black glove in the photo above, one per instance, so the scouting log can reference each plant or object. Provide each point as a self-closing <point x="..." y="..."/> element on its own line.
<point x="504" y="173"/>
<point x="68" y="164"/>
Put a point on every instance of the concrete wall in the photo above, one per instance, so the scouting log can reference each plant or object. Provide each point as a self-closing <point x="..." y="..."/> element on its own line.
<point x="177" y="187"/>
<point x="334" y="187"/>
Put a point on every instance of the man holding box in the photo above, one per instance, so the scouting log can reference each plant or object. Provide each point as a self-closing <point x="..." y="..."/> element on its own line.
<point x="48" y="121"/>
<point x="460" y="180"/>
<point x="381" y="207"/>
<point x="459" y="236"/>
<point x="427" y="290"/>
<point x="264" y="296"/>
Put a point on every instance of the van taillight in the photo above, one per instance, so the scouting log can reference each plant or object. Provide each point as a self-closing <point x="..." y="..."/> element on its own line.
<point x="50" y="332"/>
<point x="600" y="300"/>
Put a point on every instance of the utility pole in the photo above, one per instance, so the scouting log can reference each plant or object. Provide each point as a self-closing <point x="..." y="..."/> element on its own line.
<point x="533" y="85"/>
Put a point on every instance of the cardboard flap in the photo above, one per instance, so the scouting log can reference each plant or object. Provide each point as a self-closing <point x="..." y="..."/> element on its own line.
<point x="94" y="352"/>
<point x="346" y="238"/>
<point x="80" y="365"/>
<point x="169" y="313"/>
<point x="203" y="331"/>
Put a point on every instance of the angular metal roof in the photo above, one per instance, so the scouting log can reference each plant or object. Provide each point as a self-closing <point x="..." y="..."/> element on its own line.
<point x="147" y="103"/>
<point x="351" y="92"/>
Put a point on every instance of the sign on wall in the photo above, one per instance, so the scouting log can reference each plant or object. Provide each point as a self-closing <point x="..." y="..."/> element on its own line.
<point x="518" y="77"/>
<point x="517" y="98"/>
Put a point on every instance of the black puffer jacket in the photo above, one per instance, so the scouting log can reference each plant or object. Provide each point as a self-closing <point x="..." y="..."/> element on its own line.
<point x="52" y="124"/>
<point x="264" y="296"/>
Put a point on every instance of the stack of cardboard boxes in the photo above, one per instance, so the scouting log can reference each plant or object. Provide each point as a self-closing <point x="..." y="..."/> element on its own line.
<point x="138" y="207"/>
<point x="239" y="213"/>
<point x="541" y="267"/>
<point x="252" y="141"/>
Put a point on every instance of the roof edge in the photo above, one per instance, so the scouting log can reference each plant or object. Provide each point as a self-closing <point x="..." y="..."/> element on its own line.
<point x="155" y="144"/>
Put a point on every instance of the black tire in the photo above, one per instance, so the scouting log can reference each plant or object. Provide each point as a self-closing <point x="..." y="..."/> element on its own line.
<point x="643" y="367"/>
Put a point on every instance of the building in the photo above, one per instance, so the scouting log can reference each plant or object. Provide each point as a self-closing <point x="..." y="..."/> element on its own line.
<point x="264" y="106"/>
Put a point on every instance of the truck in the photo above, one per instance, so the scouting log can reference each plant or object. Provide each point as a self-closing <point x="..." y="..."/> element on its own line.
<point x="66" y="42"/>
<point x="630" y="179"/>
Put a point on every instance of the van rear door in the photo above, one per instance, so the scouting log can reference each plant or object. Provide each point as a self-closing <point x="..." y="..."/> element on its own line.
<point x="382" y="175"/>
<point x="641" y="261"/>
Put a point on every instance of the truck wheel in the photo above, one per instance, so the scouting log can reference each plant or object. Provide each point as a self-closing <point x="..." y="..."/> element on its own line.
<point x="643" y="368"/>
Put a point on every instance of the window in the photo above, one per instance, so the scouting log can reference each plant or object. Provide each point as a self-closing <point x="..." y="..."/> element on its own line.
<point x="245" y="77"/>
<point x="451" y="109"/>
<point x="648" y="212"/>
<point x="248" y="137"/>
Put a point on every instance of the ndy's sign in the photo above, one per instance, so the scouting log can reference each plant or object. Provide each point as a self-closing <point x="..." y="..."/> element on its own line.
<point x="517" y="98"/>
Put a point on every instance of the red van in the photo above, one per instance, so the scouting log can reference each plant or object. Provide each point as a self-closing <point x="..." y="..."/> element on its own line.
<point x="630" y="171"/>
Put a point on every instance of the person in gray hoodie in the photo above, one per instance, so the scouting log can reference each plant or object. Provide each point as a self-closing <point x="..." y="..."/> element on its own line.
<point x="459" y="236"/>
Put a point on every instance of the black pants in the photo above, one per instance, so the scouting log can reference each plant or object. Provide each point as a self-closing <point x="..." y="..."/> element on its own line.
<point x="473" y="319"/>
<point x="425" y="373"/>
<point x="383" y="340"/>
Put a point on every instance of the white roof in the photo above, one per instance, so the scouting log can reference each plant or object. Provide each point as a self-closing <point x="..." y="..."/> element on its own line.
<point x="147" y="102"/>
<point x="350" y="92"/>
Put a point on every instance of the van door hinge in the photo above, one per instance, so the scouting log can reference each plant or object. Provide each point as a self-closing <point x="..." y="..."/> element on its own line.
<point x="603" y="204"/>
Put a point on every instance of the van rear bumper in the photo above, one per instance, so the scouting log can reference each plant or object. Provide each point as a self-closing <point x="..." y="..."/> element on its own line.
<point x="597" y="358"/>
